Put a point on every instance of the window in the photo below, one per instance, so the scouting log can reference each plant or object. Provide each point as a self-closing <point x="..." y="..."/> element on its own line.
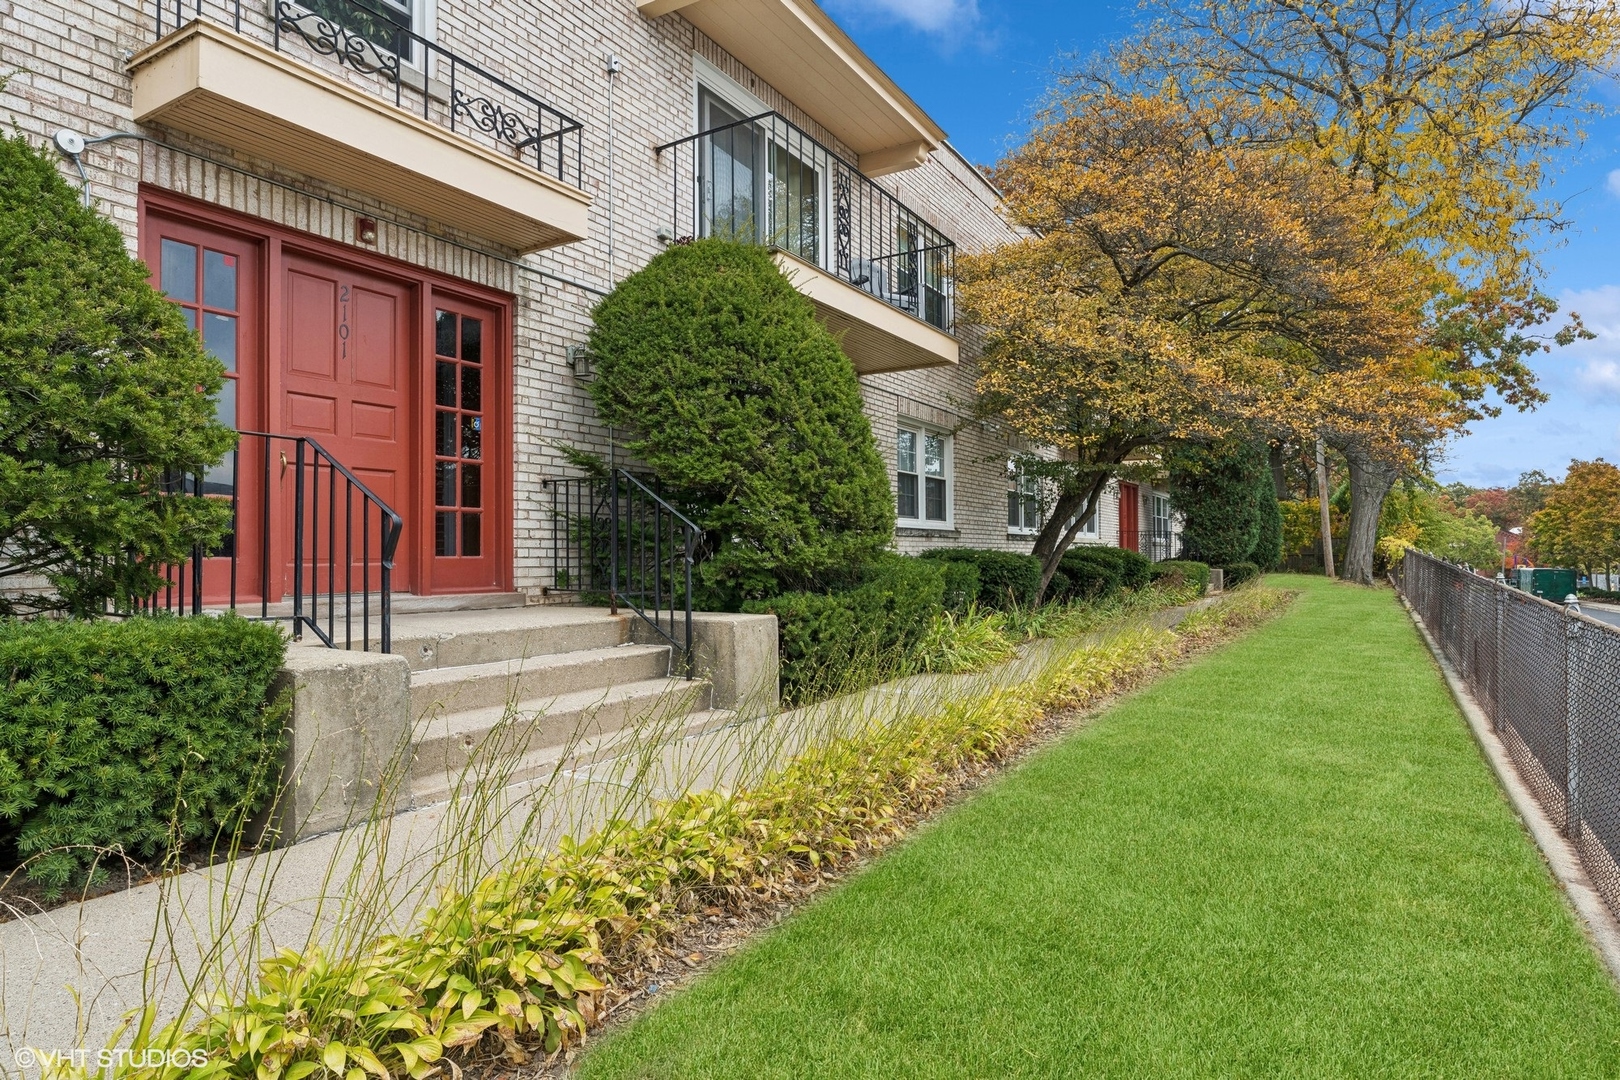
<point x="1161" y="535"/>
<point x="922" y="477"/>
<point x="1023" y="504"/>
<point x="760" y="183"/>
<point x="373" y="30"/>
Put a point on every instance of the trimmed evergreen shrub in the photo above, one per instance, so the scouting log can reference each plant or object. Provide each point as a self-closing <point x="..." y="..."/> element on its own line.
<point x="1006" y="578"/>
<point x="1268" y="545"/>
<point x="748" y="413"/>
<point x="1215" y="488"/>
<point x="1135" y="569"/>
<point x="1094" y="573"/>
<point x="104" y="392"/>
<point x="840" y="641"/>
<point x="961" y="585"/>
<point x="1175" y="571"/>
<point x="1239" y="572"/>
<point x="132" y="735"/>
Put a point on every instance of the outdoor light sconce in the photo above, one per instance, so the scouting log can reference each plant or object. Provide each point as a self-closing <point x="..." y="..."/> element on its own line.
<point x="578" y="357"/>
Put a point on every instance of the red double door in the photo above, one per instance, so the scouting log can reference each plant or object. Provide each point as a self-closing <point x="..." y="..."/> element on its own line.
<point x="399" y="376"/>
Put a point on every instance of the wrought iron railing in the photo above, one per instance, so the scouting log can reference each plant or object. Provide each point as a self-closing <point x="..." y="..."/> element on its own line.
<point x="1157" y="541"/>
<point x="373" y="44"/>
<point x="615" y="539"/>
<point x="766" y="181"/>
<point x="313" y="564"/>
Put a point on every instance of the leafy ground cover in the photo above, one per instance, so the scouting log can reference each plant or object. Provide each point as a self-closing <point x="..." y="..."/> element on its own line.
<point x="1287" y="859"/>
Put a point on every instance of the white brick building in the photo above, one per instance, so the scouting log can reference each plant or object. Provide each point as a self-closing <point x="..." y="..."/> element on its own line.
<point x="393" y="219"/>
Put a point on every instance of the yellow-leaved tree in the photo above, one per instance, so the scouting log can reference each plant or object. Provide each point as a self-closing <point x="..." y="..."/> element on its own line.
<point x="1451" y="113"/>
<point x="1182" y="276"/>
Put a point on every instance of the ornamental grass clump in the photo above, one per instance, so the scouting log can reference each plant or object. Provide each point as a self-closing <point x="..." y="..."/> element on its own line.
<point x="518" y="963"/>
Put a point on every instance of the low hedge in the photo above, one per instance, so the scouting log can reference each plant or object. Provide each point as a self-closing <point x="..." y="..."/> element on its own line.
<point x="839" y="640"/>
<point x="1006" y="578"/>
<point x="1175" y="571"/>
<point x="1239" y="572"/>
<point x="132" y="736"/>
<point x="1098" y="572"/>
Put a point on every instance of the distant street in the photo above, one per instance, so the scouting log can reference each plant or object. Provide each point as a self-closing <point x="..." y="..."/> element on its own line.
<point x="1610" y="615"/>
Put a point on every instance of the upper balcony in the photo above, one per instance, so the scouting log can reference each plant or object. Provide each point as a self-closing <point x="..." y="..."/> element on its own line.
<point x="880" y="276"/>
<point x="801" y="52"/>
<point x="348" y="92"/>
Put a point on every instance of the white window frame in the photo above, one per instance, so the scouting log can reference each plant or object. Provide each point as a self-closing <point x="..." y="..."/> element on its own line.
<point x="923" y="432"/>
<point x="1022" y="486"/>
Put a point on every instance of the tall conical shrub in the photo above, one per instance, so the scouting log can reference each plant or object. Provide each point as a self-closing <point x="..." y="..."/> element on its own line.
<point x="730" y="391"/>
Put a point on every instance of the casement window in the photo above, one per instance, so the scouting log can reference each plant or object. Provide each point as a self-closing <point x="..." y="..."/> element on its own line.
<point x="923" y="477"/>
<point x="1023" y="504"/>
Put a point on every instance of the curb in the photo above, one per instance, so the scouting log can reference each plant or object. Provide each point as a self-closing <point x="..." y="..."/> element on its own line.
<point x="1596" y="920"/>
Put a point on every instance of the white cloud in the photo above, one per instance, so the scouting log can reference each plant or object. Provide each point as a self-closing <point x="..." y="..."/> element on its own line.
<point x="1613" y="182"/>
<point x="1598" y="370"/>
<point x="931" y="16"/>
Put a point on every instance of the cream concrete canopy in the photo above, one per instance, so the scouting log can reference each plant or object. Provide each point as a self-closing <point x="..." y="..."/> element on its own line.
<point x="876" y="336"/>
<point x="208" y="81"/>
<point x="803" y="53"/>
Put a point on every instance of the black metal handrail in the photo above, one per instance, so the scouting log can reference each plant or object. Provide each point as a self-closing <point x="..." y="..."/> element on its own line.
<point x="615" y="537"/>
<point x="764" y="180"/>
<point x="333" y="512"/>
<point x="370" y="41"/>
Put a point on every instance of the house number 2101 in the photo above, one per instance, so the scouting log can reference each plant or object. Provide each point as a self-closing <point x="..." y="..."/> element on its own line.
<point x="343" y="320"/>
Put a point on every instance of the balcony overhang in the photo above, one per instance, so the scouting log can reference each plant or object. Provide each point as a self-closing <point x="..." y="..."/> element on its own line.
<point x="803" y="53"/>
<point x="208" y="81"/>
<point x="876" y="336"/>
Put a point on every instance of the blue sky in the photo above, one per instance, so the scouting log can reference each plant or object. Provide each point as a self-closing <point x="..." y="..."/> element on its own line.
<point x="978" y="66"/>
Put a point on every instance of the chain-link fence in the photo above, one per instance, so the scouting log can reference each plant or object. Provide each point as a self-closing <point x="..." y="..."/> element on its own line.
<point x="1549" y="679"/>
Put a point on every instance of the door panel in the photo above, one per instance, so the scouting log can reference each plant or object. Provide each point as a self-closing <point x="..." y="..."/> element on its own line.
<point x="349" y="350"/>
<point x="214" y="277"/>
<point x="467" y="458"/>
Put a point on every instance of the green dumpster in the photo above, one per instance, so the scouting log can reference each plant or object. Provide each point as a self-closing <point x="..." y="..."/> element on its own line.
<point x="1548" y="582"/>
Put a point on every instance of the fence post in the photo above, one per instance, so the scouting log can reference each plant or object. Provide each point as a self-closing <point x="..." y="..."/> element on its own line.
<point x="1572" y="758"/>
<point x="1496" y="677"/>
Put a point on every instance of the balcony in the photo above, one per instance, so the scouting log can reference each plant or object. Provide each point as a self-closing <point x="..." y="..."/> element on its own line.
<point x="879" y="275"/>
<point x="345" y="91"/>
<point x="800" y="51"/>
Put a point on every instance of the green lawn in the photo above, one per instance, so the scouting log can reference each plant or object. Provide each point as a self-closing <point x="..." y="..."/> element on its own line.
<point x="1286" y="860"/>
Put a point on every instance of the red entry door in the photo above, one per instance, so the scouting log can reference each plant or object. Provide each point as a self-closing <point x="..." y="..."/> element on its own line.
<point x="1130" y="524"/>
<point x="213" y="277"/>
<point x="349" y="350"/>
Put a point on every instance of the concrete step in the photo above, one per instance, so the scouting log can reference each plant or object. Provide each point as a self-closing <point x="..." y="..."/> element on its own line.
<point x="498" y="738"/>
<point x="582" y="754"/>
<point x="455" y="638"/>
<point x="533" y="678"/>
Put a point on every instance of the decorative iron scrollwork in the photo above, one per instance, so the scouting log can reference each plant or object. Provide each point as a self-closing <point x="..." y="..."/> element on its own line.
<point x="841" y="215"/>
<point x="331" y="39"/>
<point x="493" y="118"/>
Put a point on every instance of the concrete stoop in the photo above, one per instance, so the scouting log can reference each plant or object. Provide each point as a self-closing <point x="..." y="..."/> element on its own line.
<point x="492" y="697"/>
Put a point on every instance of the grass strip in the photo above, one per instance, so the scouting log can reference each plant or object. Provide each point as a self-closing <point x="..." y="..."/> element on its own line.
<point x="1287" y="859"/>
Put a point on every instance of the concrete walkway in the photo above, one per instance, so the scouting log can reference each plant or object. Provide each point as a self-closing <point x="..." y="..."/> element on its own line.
<point x="69" y="975"/>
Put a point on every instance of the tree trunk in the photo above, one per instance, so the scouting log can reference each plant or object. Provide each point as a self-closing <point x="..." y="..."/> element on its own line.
<point x="1370" y="481"/>
<point x="1279" y="475"/>
<point x="1057" y="534"/>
